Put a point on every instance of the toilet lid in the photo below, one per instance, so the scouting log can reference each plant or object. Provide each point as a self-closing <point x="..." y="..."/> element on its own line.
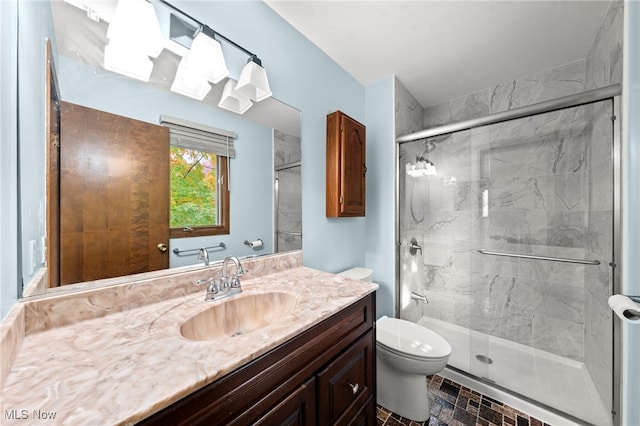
<point x="412" y="339"/>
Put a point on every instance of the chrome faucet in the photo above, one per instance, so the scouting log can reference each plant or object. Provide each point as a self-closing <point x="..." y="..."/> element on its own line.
<point x="204" y="255"/>
<point x="235" y="281"/>
<point x="227" y="287"/>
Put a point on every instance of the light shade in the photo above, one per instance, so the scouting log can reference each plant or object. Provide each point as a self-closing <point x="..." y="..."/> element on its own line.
<point x="205" y="57"/>
<point x="253" y="81"/>
<point x="233" y="101"/>
<point x="134" y="35"/>
<point x="118" y="57"/>
<point x="136" y="24"/>
<point x="190" y="83"/>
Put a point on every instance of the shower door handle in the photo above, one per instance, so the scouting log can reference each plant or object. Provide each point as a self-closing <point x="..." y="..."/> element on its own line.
<point x="414" y="247"/>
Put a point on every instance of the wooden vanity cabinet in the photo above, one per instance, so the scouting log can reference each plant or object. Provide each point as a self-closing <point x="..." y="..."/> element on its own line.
<point x="323" y="376"/>
<point x="346" y="166"/>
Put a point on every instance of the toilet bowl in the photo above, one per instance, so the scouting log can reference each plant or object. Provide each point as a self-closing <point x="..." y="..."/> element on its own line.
<point x="405" y="353"/>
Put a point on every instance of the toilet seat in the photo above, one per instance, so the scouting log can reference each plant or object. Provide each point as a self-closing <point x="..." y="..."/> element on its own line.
<point x="410" y="340"/>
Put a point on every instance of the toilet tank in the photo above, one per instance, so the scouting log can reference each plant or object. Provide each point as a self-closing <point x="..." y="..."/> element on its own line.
<point x="361" y="274"/>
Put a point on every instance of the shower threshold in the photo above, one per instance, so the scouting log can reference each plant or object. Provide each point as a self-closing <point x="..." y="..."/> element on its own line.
<point x="536" y="382"/>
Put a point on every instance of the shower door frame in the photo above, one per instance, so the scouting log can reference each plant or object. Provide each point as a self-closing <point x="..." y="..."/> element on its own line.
<point x="612" y="93"/>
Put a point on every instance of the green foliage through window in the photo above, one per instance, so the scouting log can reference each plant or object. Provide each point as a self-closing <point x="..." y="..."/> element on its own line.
<point x="194" y="184"/>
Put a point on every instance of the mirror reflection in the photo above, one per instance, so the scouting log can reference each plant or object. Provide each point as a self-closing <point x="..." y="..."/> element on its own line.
<point x="109" y="151"/>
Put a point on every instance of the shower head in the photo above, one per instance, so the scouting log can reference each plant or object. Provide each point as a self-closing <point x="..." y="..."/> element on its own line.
<point x="422" y="166"/>
<point x="431" y="146"/>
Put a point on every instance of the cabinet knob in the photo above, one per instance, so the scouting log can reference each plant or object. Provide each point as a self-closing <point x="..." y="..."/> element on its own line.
<point x="162" y="247"/>
<point x="354" y="388"/>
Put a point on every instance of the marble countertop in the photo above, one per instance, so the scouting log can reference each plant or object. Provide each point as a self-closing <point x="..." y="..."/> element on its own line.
<point x="125" y="366"/>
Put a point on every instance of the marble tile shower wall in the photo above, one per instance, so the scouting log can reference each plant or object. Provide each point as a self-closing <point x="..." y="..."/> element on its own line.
<point x="287" y="149"/>
<point x="549" y="84"/>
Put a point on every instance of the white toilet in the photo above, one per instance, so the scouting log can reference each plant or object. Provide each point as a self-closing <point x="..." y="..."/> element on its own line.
<point x="405" y="353"/>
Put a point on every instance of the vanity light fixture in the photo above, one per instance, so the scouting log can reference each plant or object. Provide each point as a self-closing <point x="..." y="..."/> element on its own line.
<point x="203" y="64"/>
<point x="253" y="81"/>
<point x="232" y="100"/>
<point x="134" y="35"/>
<point x="206" y="55"/>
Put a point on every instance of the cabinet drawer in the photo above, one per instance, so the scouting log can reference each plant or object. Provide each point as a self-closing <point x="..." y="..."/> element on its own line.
<point x="346" y="383"/>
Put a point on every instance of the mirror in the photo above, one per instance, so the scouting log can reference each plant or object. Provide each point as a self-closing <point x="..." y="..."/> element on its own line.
<point x="264" y="176"/>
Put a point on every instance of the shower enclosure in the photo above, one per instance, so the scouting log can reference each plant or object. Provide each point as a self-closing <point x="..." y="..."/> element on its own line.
<point x="508" y="226"/>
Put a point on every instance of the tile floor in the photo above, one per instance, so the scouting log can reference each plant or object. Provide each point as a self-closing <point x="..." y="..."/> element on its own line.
<point x="455" y="405"/>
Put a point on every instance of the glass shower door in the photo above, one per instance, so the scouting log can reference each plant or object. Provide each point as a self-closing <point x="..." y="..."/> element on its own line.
<point x="436" y="197"/>
<point x="541" y="248"/>
<point x="507" y="229"/>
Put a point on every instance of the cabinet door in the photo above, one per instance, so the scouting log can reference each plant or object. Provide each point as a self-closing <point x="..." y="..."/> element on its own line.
<point x="346" y="383"/>
<point x="366" y="416"/>
<point x="346" y="156"/>
<point x="353" y="168"/>
<point x="298" y="408"/>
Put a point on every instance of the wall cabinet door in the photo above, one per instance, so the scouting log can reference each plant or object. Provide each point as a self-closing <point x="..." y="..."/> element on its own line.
<point x="346" y="166"/>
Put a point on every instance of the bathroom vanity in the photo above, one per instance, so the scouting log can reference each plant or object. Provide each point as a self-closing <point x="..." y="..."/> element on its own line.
<point x="296" y="347"/>
<point x="324" y="376"/>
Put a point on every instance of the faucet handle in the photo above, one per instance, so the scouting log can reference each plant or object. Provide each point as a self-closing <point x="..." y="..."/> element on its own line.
<point x="200" y="282"/>
<point x="235" y="281"/>
<point x="212" y="287"/>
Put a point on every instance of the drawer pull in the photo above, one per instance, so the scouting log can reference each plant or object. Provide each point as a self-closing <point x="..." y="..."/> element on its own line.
<point x="354" y="388"/>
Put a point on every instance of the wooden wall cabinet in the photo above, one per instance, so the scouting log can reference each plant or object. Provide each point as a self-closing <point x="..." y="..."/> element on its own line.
<point x="346" y="166"/>
<point x="323" y="376"/>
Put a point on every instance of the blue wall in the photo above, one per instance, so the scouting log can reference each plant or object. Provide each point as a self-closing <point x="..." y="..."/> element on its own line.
<point x="35" y="26"/>
<point x="8" y="155"/>
<point x="380" y="230"/>
<point x="304" y="77"/>
<point x="631" y="211"/>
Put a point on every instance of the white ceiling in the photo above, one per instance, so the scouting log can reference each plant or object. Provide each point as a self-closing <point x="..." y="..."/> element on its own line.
<point x="440" y="50"/>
